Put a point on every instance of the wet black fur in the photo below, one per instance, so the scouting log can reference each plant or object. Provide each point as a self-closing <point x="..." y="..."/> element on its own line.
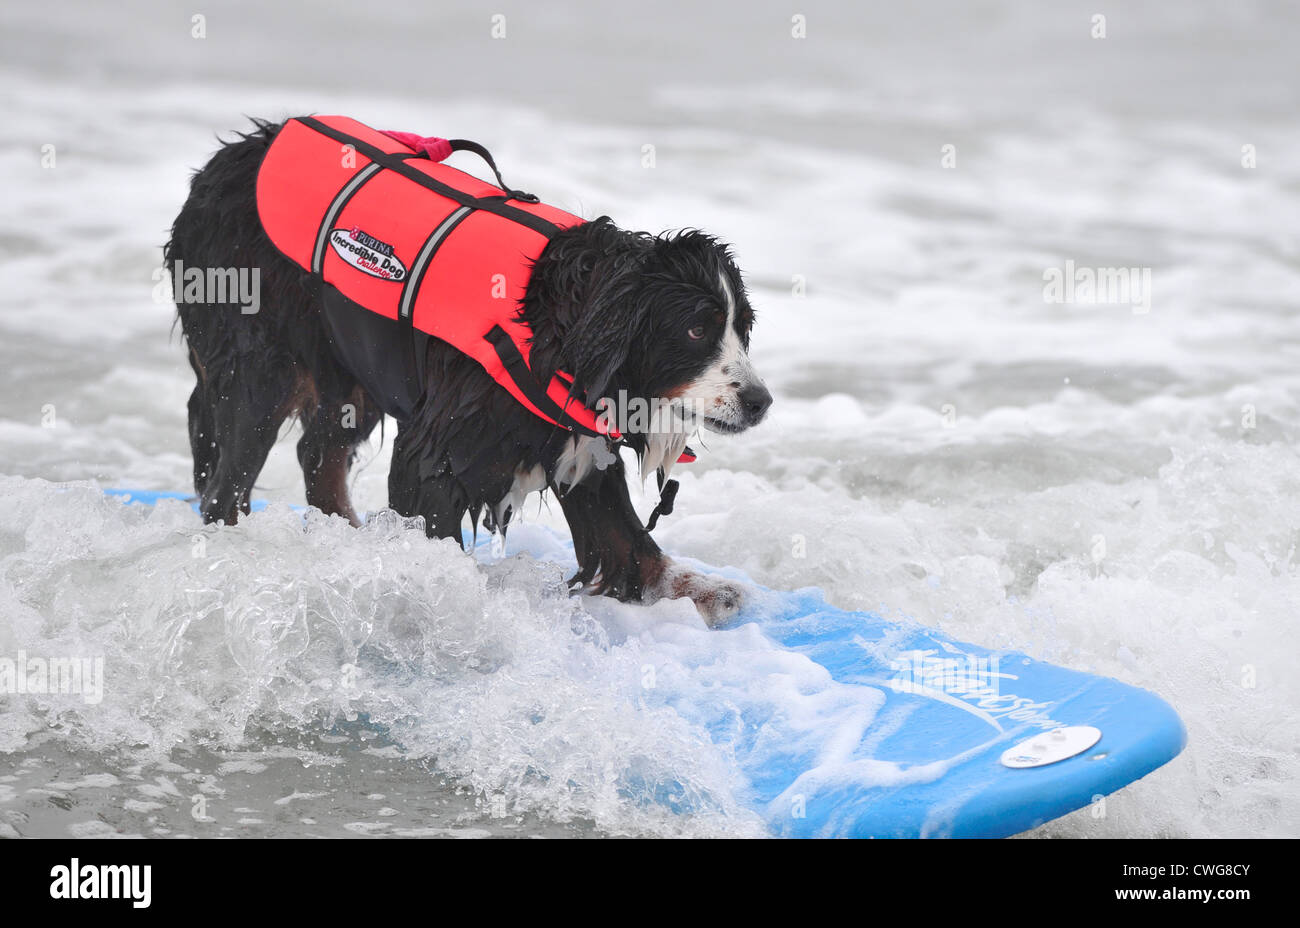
<point x="607" y="305"/>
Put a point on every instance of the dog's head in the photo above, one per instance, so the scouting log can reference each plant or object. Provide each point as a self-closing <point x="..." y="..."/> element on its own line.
<point x="665" y="321"/>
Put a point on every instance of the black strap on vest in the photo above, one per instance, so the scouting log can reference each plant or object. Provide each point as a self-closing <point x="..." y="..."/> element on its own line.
<point x="499" y="206"/>
<point x="528" y="385"/>
<point x="476" y="148"/>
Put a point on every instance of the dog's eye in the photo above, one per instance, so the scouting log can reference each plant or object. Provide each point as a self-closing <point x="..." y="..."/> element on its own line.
<point x="696" y="333"/>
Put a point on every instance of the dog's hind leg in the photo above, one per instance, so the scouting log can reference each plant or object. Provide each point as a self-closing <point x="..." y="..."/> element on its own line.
<point x="203" y="442"/>
<point x="252" y="402"/>
<point x="331" y="434"/>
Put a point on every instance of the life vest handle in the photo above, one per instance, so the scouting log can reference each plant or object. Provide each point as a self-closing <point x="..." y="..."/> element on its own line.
<point x="438" y="149"/>
<point x="476" y="148"/>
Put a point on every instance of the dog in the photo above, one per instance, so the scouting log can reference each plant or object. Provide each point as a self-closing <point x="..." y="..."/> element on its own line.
<point x="660" y="319"/>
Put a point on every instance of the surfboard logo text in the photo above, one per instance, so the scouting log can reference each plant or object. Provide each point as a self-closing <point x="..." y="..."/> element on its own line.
<point x="969" y="682"/>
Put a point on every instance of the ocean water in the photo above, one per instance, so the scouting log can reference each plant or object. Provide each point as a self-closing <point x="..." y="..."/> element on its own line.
<point x="1112" y="487"/>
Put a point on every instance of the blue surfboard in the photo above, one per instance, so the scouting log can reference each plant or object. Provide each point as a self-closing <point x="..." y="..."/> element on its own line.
<point x="957" y="740"/>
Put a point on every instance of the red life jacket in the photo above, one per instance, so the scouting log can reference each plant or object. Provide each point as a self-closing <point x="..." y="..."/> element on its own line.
<point x="417" y="242"/>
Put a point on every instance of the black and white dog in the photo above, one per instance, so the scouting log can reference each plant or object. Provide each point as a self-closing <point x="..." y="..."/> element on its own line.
<point x="627" y="313"/>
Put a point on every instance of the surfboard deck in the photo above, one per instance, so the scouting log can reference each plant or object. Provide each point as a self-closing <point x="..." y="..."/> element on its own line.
<point x="957" y="740"/>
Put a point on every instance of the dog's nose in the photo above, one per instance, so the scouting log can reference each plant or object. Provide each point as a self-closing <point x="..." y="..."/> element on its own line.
<point x="755" y="400"/>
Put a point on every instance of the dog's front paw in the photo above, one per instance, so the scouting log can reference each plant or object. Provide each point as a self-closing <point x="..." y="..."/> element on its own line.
<point x="720" y="603"/>
<point x="717" y="600"/>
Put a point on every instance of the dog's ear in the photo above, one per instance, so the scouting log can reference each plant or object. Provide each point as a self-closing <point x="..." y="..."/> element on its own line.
<point x="604" y="321"/>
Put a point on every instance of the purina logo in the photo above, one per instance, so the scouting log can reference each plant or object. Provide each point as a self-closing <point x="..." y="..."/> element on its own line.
<point x="367" y="254"/>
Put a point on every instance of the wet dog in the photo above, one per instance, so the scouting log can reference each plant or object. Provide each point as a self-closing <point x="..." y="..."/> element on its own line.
<point x="663" y="320"/>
